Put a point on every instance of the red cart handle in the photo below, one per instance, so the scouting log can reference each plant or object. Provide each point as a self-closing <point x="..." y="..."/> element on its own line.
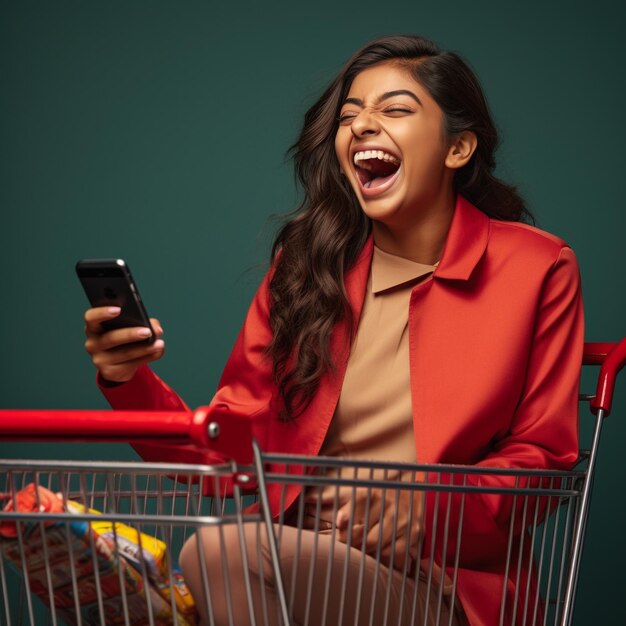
<point x="612" y="358"/>
<point x="225" y="433"/>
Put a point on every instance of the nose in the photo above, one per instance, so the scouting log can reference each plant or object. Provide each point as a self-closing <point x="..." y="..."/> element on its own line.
<point x="365" y="123"/>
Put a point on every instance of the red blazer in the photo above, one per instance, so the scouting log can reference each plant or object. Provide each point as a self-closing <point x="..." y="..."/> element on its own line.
<point x="496" y="338"/>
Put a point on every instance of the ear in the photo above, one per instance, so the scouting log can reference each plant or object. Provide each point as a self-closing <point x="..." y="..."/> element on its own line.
<point x="461" y="149"/>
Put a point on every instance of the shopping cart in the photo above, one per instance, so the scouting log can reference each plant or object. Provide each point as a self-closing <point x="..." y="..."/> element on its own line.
<point x="264" y="538"/>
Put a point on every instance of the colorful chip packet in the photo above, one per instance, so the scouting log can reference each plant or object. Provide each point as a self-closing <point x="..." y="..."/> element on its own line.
<point x="104" y="571"/>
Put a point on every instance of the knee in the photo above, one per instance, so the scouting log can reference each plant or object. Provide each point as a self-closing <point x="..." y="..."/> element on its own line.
<point x="205" y="544"/>
<point x="202" y="560"/>
<point x="214" y="569"/>
<point x="208" y="549"/>
<point x="188" y="556"/>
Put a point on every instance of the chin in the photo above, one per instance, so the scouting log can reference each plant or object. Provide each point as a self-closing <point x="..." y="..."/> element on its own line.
<point x="383" y="208"/>
<point x="383" y="215"/>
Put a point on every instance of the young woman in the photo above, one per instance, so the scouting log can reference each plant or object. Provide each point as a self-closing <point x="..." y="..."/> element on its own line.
<point x="408" y="315"/>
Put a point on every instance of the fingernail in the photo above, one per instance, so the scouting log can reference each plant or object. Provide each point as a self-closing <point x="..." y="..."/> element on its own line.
<point x="114" y="310"/>
<point x="144" y="332"/>
<point x="158" y="345"/>
<point x="159" y="330"/>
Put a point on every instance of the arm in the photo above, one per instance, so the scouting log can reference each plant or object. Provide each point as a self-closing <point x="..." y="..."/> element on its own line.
<point x="245" y="386"/>
<point x="543" y="430"/>
<point x="145" y="391"/>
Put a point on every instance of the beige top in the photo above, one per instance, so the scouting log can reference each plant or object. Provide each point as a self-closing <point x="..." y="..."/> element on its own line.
<point x="374" y="415"/>
<point x="373" y="419"/>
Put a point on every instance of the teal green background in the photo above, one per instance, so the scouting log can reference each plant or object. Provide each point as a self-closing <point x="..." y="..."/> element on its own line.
<point x="157" y="131"/>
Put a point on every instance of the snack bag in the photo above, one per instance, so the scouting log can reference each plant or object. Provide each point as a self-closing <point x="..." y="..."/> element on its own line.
<point x="32" y="499"/>
<point x="92" y="569"/>
<point x="137" y="549"/>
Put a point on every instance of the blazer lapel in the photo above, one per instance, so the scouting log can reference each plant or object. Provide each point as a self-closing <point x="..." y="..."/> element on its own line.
<point x="465" y="245"/>
<point x="306" y="434"/>
<point x="436" y="317"/>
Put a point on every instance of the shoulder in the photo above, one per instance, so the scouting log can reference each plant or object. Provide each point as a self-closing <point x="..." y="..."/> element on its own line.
<point x="525" y="235"/>
<point x="527" y="244"/>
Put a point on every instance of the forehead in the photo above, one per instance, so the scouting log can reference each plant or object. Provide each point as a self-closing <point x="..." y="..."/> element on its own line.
<point x="374" y="81"/>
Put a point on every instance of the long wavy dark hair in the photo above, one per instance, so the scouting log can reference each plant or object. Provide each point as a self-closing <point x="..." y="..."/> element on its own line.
<point x="323" y="237"/>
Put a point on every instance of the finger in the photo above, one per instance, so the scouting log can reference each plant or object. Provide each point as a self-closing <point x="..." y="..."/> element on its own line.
<point x="158" y="329"/>
<point x="364" y="504"/>
<point x="128" y="355"/>
<point x="390" y="522"/>
<point x="343" y="517"/>
<point x="352" y="536"/>
<point x="356" y="509"/>
<point x="350" y="529"/>
<point x="115" y="338"/>
<point x="409" y="524"/>
<point x="396" y="558"/>
<point x="96" y="315"/>
<point x="125" y="371"/>
<point x="379" y="534"/>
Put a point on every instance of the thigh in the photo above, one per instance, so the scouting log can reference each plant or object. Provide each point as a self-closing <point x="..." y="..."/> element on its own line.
<point x="327" y="582"/>
<point x="230" y="573"/>
<point x="221" y="566"/>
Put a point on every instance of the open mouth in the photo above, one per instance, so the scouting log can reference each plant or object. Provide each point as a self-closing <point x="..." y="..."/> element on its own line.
<point x="375" y="168"/>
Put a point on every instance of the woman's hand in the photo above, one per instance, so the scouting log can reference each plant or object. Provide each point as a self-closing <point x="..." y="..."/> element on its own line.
<point x="116" y="353"/>
<point x="393" y="517"/>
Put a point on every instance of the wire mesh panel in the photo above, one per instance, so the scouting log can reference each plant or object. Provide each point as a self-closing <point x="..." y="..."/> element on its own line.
<point x="379" y="543"/>
<point x="355" y="543"/>
<point x="99" y="543"/>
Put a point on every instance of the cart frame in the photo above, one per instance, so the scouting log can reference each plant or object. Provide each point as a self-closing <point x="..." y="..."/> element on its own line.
<point x="552" y="508"/>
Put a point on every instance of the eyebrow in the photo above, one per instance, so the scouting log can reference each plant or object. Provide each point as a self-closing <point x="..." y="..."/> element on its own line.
<point x="386" y="96"/>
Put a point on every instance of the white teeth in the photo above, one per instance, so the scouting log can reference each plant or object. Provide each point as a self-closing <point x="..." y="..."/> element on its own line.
<point x="364" y="155"/>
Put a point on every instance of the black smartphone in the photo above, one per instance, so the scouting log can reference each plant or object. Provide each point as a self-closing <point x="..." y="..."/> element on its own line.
<point x="108" y="282"/>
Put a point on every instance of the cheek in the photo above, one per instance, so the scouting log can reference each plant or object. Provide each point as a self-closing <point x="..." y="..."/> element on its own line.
<point x="427" y="150"/>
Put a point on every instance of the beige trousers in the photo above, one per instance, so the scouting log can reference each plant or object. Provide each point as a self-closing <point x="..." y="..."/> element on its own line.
<point x="326" y="582"/>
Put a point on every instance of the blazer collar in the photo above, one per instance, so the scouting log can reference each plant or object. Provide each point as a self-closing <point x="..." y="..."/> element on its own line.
<point x="466" y="242"/>
<point x="465" y="245"/>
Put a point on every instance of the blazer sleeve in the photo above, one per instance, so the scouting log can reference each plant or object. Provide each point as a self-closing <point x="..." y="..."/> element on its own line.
<point x="144" y="392"/>
<point x="245" y="386"/>
<point x="543" y="431"/>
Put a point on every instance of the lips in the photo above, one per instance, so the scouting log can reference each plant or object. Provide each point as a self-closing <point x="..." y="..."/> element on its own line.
<point x="376" y="170"/>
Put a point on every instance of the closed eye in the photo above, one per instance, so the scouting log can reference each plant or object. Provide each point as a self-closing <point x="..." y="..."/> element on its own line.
<point x="398" y="110"/>
<point x="346" y="117"/>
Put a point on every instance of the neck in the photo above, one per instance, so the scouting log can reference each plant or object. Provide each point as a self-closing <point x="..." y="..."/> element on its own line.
<point x="424" y="238"/>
